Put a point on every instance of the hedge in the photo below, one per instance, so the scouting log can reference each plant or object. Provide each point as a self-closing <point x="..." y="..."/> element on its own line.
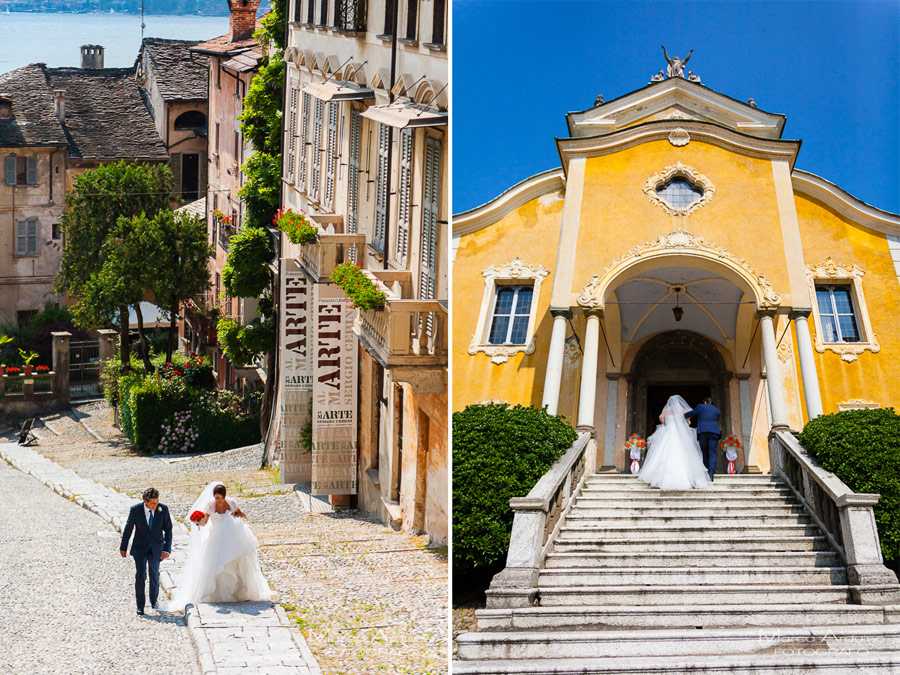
<point x="862" y="448"/>
<point x="499" y="452"/>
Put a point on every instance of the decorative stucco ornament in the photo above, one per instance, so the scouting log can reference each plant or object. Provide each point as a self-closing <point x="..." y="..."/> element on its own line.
<point x="673" y="242"/>
<point x="663" y="176"/>
<point x="830" y="271"/>
<point x="679" y="137"/>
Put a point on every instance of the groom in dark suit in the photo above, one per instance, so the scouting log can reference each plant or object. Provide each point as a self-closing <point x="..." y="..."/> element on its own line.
<point x="708" y="432"/>
<point x="152" y="543"/>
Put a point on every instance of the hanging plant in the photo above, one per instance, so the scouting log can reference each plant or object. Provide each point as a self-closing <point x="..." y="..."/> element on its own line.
<point x="358" y="287"/>
<point x="296" y="227"/>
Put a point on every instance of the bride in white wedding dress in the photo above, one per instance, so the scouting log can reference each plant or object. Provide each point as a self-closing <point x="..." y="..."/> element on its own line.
<point x="673" y="455"/>
<point x="222" y="560"/>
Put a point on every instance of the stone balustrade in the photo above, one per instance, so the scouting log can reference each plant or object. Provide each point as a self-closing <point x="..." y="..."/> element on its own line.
<point x="845" y="517"/>
<point x="536" y="522"/>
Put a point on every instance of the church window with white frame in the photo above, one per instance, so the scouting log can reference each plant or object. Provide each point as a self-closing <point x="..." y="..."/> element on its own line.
<point x="836" y="313"/>
<point x="512" y="310"/>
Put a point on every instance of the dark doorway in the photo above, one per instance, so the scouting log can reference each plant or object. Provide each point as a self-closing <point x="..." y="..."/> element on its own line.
<point x="190" y="176"/>
<point x="657" y="395"/>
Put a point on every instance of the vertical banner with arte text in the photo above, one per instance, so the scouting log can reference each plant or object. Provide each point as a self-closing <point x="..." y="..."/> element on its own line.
<point x="334" y="356"/>
<point x="296" y="373"/>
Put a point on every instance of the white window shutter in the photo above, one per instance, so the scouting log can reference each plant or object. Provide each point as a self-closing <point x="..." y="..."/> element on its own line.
<point x="304" y="141"/>
<point x="431" y="204"/>
<point x="381" y="188"/>
<point x="292" y="134"/>
<point x="331" y="150"/>
<point x="317" y="151"/>
<point x="403" y="200"/>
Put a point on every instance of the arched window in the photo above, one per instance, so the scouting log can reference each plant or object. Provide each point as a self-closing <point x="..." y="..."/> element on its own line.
<point x="192" y="120"/>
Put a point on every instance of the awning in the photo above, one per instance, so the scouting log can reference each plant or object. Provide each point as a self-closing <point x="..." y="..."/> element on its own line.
<point x="404" y="115"/>
<point x="338" y="91"/>
<point x="244" y="63"/>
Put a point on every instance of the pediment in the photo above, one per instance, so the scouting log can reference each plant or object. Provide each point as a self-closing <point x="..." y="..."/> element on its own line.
<point x="675" y="98"/>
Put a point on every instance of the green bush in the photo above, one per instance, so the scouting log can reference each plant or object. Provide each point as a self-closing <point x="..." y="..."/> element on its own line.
<point x="152" y="402"/>
<point x="223" y="424"/>
<point x="862" y="448"/>
<point x="499" y="452"/>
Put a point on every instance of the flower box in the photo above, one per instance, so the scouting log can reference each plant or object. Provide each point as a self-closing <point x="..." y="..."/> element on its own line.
<point x="360" y="287"/>
<point x="296" y="227"/>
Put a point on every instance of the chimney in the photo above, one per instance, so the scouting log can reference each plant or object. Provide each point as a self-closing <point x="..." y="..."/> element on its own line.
<point x="242" y="18"/>
<point x="59" y="104"/>
<point x="92" y="57"/>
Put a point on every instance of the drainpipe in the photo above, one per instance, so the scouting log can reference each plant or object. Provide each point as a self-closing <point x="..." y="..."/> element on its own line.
<point x="387" y="204"/>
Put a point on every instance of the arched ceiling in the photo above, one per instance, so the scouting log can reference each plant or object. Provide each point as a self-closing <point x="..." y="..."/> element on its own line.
<point x="710" y="304"/>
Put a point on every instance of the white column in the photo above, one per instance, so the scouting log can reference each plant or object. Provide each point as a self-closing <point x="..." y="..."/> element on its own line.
<point x="612" y="410"/>
<point x="807" y="365"/>
<point x="774" y="379"/>
<point x="589" y="372"/>
<point x="553" y="377"/>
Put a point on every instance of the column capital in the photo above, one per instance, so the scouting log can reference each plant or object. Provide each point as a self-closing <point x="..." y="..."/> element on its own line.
<point x="743" y="376"/>
<point x="613" y="376"/>
<point x="593" y="311"/>
<point x="561" y="312"/>
<point x="799" y="313"/>
<point x="766" y="313"/>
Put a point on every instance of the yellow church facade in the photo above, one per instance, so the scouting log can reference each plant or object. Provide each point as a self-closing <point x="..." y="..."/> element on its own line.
<point x="677" y="249"/>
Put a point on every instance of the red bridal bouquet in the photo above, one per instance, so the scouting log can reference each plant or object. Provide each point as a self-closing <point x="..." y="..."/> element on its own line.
<point x="199" y="517"/>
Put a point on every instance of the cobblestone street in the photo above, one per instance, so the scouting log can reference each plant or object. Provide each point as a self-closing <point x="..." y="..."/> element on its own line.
<point x="367" y="599"/>
<point x="67" y="598"/>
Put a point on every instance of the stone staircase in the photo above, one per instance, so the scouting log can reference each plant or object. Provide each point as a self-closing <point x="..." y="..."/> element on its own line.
<point x="736" y="578"/>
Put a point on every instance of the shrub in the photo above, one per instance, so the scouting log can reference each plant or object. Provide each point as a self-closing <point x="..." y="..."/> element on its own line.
<point x="222" y="422"/>
<point x="862" y="448"/>
<point x="357" y="286"/>
<point x="499" y="452"/>
<point x="152" y="400"/>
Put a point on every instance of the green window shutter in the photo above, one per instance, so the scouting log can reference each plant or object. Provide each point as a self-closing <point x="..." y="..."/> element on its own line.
<point x="176" y="172"/>
<point x="11" y="170"/>
<point x="32" y="235"/>
<point x="201" y="189"/>
<point x="21" y="237"/>
<point x="32" y="168"/>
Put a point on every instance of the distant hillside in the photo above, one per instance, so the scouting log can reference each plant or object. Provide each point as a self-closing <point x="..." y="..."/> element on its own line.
<point x="204" y="7"/>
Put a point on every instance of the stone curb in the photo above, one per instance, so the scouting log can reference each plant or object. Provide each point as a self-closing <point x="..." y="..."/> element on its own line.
<point x="110" y="505"/>
<point x="81" y="420"/>
<point x="204" y="652"/>
<point x="311" y="662"/>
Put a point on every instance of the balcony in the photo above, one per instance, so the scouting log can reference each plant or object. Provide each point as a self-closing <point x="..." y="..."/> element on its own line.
<point x="408" y="336"/>
<point x="332" y="248"/>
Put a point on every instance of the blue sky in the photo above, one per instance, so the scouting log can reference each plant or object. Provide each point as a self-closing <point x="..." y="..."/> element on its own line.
<point x="833" y="68"/>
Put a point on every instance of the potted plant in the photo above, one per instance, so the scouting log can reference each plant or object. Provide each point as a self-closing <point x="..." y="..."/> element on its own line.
<point x="296" y="227"/>
<point x="27" y="358"/>
<point x="362" y="290"/>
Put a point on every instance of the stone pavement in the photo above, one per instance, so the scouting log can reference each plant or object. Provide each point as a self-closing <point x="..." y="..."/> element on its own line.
<point x="230" y="637"/>
<point x="67" y="597"/>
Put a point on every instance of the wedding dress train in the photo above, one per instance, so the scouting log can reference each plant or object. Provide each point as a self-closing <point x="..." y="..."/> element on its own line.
<point x="673" y="459"/>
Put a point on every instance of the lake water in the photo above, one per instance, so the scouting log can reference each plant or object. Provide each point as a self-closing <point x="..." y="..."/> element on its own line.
<point x="55" y="39"/>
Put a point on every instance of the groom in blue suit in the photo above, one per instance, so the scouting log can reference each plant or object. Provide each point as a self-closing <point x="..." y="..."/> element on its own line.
<point x="708" y="432"/>
<point x="152" y="543"/>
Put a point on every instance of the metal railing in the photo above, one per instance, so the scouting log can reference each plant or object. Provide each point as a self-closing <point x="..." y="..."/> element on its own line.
<point x="537" y="519"/>
<point x="350" y="15"/>
<point x="845" y="517"/>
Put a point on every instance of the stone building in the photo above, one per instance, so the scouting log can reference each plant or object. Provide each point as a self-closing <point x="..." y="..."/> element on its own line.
<point x="365" y="157"/>
<point x="677" y="250"/>
<point x="54" y="124"/>
<point x="233" y="60"/>
<point x="174" y="82"/>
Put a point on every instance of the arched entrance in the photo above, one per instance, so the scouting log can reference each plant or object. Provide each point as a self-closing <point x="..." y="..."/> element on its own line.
<point x="676" y="362"/>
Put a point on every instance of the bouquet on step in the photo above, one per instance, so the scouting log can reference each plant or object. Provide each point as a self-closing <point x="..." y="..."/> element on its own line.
<point x="731" y="444"/>
<point x="634" y="446"/>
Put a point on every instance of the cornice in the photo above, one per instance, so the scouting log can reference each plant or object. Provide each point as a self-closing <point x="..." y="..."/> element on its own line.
<point x="844" y="203"/>
<point x="653" y="97"/>
<point x="752" y="146"/>
<point x="519" y="194"/>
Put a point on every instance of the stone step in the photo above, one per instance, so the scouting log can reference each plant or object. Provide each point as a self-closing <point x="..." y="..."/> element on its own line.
<point x="640" y="504"/>
<point x="612" y="531"/>
<point x="721" y="480"/>
<point x="716" y="488"/>
<point x="683" y="594"/>
<point x="696" y="576"/>
<point x="712" y="559"/>
<point x="689" y="616"/>
<point x="688" y="520"/>
<point x="528" y="645"/>
<point x="686" y="543"/>
<point x="724" y="476"/>
<point x="792" y="661"/>
<point x="723" y="496"/>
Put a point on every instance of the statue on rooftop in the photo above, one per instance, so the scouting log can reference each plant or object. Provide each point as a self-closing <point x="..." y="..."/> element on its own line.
<point x="676" y="65"/>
